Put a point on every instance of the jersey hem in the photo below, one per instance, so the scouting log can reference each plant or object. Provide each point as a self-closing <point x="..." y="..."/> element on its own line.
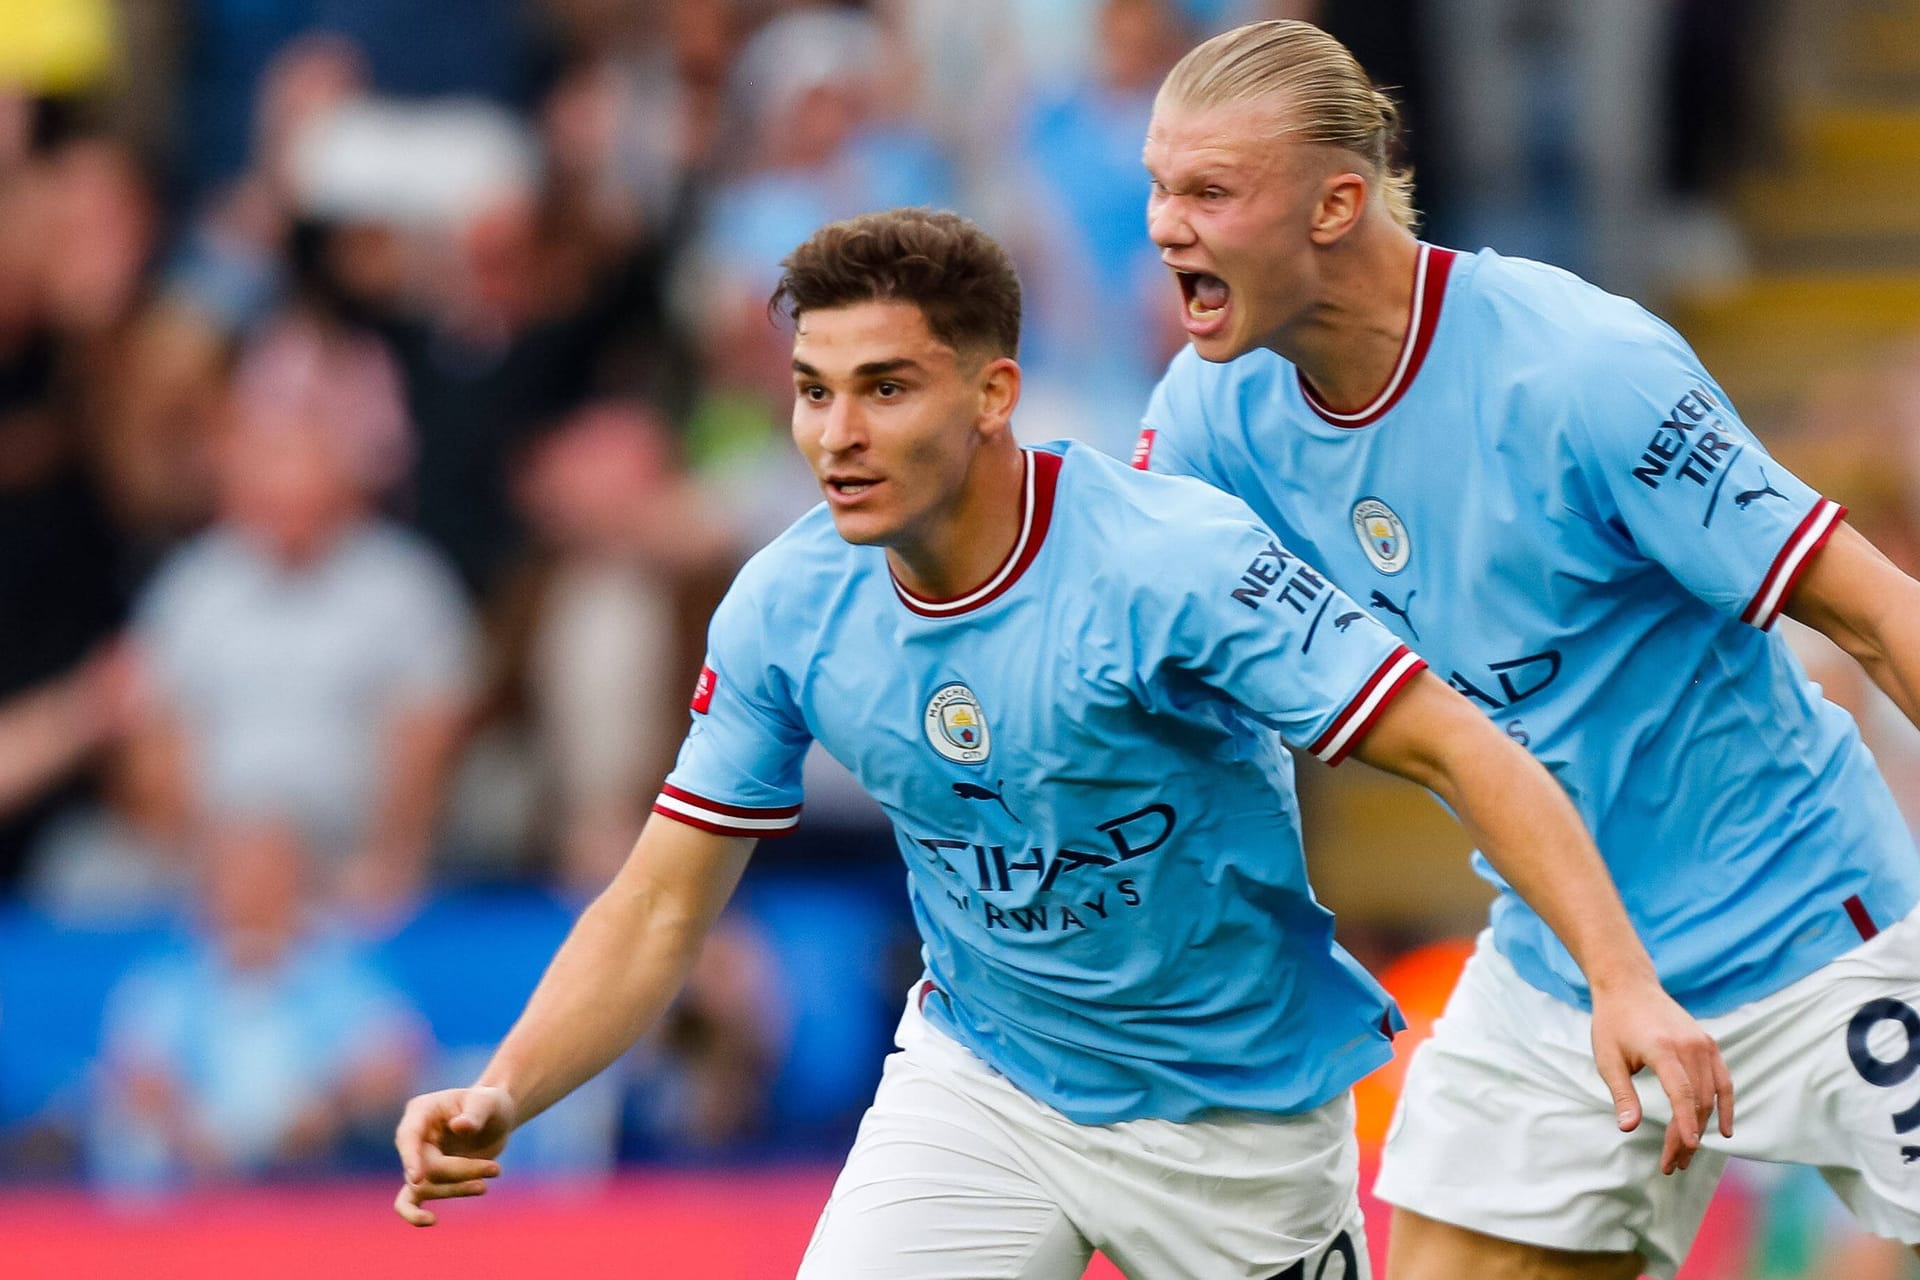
<point x="1344" y="1071"/>
<point x="1715" y="997"/>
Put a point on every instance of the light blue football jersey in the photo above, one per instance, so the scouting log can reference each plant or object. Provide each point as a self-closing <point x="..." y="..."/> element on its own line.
<point x="1557" y="507"/>
<point x="1080" y="765"/>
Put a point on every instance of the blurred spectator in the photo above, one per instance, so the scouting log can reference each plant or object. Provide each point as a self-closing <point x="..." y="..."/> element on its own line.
<point x="416" y="48"/>
<point x="226" y="276"/>
<point x="1553" y="134"/>
<point x="632" y="127"/>
<point x="965" y="71"/>
<point x="503" y="330"/>
<point x="309" y="659"/>
<point x="100" y="231"/>
<point x="807" y="93"/>
<point x="60" y="561"/>
<point x="1102" y="308"/>
<point x="123" y="856"/>
<point x="266" y="1047"/>
<point x="812" y="144"/>
<point x="621" y="591"/>
<point x="700" y="1082"/>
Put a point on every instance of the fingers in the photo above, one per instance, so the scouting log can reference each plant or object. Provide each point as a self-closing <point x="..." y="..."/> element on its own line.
<point x="1683" y="1131"/>
<point x="1619" y="1082"/>
<point x="409" y="1203"/>
<point x="419" y="1124"/>
<point x="438" y="1169"/>
<point x="1723" y="1093"/>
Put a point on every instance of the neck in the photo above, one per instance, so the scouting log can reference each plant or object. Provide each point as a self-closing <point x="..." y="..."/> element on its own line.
<point x="1348" y="344"/>
<point x="973" y="537"/>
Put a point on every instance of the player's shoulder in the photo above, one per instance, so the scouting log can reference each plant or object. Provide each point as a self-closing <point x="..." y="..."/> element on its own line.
<point x="808" y="537"/>
<point x="1552" y="320"/>
<point x="1593" y="367"/>
<point x="805" y="568"/>
<point x="1146" y="513"/>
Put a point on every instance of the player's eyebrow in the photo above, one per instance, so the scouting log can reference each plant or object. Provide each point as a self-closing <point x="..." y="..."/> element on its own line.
<point x="881" y="368"/>
<point x="1192" y="179"/>
<point x="871" y="369"/>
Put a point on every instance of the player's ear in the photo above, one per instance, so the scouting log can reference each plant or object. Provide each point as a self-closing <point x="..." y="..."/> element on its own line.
<point x="999" y="384"/>
<point x="1343" y="199"/>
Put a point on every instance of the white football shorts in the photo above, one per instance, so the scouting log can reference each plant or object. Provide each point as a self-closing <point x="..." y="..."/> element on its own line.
<point x="1505" y="1127"/>
<point x="957" y="1175"/>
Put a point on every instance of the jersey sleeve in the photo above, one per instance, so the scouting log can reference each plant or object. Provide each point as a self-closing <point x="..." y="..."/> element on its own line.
<point x="738" y="772"/>
<point x="1257" y="624"/>
<point x="1669" y="463"/>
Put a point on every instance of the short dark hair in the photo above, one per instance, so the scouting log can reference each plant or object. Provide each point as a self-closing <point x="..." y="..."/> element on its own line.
<point x="958" y="275"/>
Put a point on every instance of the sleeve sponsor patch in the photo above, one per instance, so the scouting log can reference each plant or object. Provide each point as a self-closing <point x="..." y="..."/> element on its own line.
<point x="1143" y="449"/>
<point x="703" y="690"/>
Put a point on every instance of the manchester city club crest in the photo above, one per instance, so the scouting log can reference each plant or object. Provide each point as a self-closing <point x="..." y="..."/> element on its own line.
<point x="1382" y="534"/>
<point x="955" y="726"/>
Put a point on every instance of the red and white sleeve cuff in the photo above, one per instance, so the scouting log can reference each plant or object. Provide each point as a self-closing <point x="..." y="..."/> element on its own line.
<point x="726" y="819"/>
<point x="1351" y="725"/>
<point x="1812" y="534"/>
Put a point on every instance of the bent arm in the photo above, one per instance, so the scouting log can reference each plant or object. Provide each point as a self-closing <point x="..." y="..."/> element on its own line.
<point x="1519" y="818"/>
<point x="624" y="961"/>
<point x="1529" y="830"/>
<point x="1861" y="601"/>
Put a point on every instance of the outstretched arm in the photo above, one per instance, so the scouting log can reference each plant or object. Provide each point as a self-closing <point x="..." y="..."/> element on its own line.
<point x="1530" y="832"/>
<point x="1862" y="602"/>
<point x="624" y="961"/>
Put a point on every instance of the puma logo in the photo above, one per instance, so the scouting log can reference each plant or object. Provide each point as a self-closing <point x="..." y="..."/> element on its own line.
<point x="1380" y="601"/>
<point x="974" y="791"/>
<point x="1749" y="497"/>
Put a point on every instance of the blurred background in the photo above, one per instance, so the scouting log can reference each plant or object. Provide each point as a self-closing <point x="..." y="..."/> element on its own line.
<point x="387" y="394"/>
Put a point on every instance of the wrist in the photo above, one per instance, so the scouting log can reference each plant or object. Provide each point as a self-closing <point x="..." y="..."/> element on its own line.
<point x="1614" y="980"/>
<point x="507" y="1101"/>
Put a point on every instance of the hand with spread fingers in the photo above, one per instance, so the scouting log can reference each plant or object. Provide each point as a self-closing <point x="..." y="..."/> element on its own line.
<point x="1646" y="1028"/>
<point x="449" y="1143"/>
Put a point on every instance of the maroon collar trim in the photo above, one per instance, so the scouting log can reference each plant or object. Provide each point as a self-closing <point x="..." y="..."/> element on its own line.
<point x="1429" y="291"/>
<point x="1036" y="513"/>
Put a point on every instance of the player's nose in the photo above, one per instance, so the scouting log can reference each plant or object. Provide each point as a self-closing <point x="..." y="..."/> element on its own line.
<point x="841" y="426"/>
<point x="1167" y="225"/>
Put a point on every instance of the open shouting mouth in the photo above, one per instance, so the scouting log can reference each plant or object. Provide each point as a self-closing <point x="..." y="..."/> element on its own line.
<point x="1207" y="298"/>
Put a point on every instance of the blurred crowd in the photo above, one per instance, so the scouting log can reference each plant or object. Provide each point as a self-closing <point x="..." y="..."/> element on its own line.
<point x="387" y="391"/>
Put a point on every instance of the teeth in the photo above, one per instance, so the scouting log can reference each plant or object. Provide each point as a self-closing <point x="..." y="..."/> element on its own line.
<point x="1199" y="312"/>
